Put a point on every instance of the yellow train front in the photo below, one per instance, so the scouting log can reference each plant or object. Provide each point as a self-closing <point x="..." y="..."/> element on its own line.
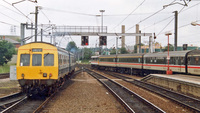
<point x="42" y="67"/>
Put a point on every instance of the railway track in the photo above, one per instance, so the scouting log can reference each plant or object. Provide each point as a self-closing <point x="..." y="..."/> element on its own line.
<point x="26" y="105"/>
<point x="184" y="100"/>
<point x="132" y="102"/>
<point x="7" y="101"/>
<point x="4" y="75"/>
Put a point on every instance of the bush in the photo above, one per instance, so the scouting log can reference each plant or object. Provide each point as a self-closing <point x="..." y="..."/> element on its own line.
<point x="6" y="51"/>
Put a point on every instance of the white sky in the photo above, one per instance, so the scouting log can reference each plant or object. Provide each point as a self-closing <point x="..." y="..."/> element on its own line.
<point x="115" y="12"/>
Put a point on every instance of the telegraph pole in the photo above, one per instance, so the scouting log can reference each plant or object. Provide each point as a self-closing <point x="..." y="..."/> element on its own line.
<point x="102" y="11"/>
<point x="176" y="30"/>
<point x="137" y="38"/>
<point x="36" y="22"/>
<point x="123" y="37"/>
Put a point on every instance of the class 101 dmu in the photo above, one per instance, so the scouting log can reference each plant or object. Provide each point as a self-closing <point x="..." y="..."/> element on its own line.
<point x="42" y="67"/>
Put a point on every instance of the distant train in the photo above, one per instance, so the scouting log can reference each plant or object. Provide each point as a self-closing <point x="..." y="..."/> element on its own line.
<point x="187" y="62"/>
<point x="42" y="67"/>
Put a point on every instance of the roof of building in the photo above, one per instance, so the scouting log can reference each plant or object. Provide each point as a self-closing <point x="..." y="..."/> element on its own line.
<point x="11" y="41"/>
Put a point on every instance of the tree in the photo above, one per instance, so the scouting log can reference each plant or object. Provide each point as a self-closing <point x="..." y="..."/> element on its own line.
<point x="123" y="50"/>
<point x="113" y="51"/>
<point x="6" y="51"/>
<point x="135" y="47"/>
<point x="71" y="46"/>
<point x="87" y="53"/>
<point x="171" y="48"/>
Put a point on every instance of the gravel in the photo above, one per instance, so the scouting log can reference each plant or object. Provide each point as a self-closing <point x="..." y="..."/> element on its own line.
<point x="84" y="95"/>
<point x="162" y="102"/>
<point x="8" y="87"/>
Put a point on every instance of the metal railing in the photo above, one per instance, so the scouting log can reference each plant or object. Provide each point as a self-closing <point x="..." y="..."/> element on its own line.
<point x="79" y="29"/>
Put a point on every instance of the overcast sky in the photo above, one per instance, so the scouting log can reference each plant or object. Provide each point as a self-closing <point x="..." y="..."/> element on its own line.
<point x="84" y="13"/>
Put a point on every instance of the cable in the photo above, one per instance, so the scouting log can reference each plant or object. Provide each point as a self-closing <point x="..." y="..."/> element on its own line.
<point x="11" y="10"/>
<point x="170" y="22"/>
<point x="146" y="18"/>
<point x="158" y="22"/>
<point x="46" y="16"/>
<point x="57" y="10"/>
<point x="18" y="10"/>
<point x="164" y="27"/>
<point x="129" y="14"/>
<point x="10" y="17"/>
<point x="171" y="16"/>
<point x="8" y="23"/>
<point x="29" y="37"/>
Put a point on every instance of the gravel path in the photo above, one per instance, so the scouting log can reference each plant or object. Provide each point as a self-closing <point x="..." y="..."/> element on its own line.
<point x="84" y="95"/>
<point x="8" y="87"/>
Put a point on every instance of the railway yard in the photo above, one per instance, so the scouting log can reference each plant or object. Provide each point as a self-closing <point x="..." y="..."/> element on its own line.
<point x="90" y="90"/>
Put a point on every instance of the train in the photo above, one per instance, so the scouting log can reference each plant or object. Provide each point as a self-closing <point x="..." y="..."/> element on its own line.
<point x="42" y="67"/>
<point x="184" y="62"/>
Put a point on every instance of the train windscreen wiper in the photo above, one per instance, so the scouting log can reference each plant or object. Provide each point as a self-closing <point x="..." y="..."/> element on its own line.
<point x="46" y="55"/>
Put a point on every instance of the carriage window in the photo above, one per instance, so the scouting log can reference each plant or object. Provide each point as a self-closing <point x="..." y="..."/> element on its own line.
<point x="138" y="60"/>
<point x="196" y="60"/>
<point x="25" y="60"/>
<point x="49" y="60"/>
<point x="37" y="60"/>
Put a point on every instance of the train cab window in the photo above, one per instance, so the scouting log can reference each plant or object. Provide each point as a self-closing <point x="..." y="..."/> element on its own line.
<point x="25" y="60"/>
<point x="49" y="60"/>
<point x="37" y="60"/>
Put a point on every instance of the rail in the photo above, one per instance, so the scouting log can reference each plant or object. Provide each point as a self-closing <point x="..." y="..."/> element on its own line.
<point x="4" y="75"/>
<point x="31" y="105"/>
<point x="189" y="102"/>
<point x="126" y="97"/>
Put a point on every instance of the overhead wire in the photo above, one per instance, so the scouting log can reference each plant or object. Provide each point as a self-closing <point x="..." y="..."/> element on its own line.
<point x="146" y="18"/>
<point x="46" y="16"/>
<point x="11" y="10"/>
<point x="170" y="21"/>
<point x="130" y="14"/>
<point x="18" y="10"/>
<point x="150" y="16"/>
<point x="8" y="23"/>
<point x="171" y="16"/>
<point x="57" y="10"/>
<point x="10" y="17"/>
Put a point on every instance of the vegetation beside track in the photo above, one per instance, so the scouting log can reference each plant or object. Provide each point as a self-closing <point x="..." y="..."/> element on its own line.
<point x="5" y="68"/>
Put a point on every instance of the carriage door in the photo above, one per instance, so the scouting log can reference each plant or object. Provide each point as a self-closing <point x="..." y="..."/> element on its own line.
<point x="182" y="64"/>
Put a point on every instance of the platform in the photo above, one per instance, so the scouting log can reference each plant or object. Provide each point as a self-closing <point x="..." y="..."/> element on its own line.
<point x="186" y="84"/>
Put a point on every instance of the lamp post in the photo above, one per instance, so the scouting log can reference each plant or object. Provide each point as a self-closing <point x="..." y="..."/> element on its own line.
<point x="102" y="19"/>
<point x="168" y="72"/>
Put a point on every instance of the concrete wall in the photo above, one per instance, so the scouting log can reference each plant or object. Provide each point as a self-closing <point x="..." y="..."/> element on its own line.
<point x="13" y="60"/>
<point x="179" y="86"/>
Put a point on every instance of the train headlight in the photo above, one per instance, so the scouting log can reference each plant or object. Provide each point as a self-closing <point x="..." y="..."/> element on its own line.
<point x="44" y="74"/>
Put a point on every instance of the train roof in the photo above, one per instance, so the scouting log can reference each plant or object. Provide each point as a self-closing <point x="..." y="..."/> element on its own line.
<point x="194" y="52"/>
<point x="131" y="55"/>
<point x="107" y="56"/>
<point x="41" y="42"/>
<point x="122" y="55"/>
<point x="59" y="48"/>
<point x="164" y="54"/>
